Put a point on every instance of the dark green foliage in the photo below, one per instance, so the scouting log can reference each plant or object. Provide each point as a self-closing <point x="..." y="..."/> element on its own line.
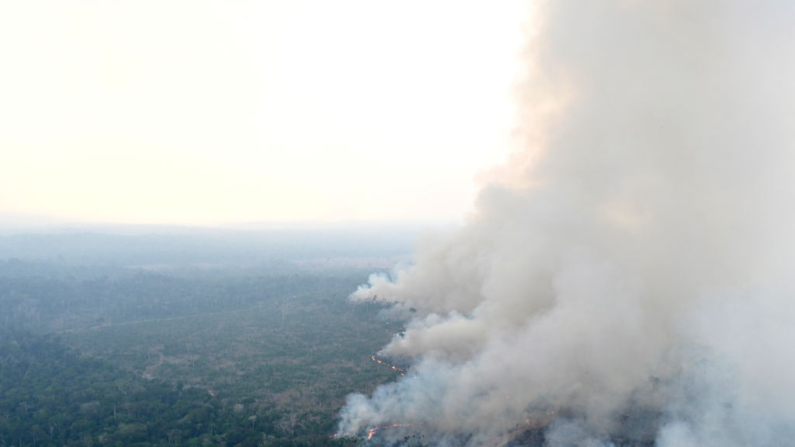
<point x="139" y="358"/>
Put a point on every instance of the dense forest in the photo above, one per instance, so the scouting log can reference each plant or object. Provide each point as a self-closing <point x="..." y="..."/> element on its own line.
<point x="105" y="353"/>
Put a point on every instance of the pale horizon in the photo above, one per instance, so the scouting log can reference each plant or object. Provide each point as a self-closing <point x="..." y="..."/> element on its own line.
<point x="210" y="114"/>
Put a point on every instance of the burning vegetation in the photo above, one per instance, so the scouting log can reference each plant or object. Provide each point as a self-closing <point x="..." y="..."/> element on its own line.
<point x="626" y="278"/>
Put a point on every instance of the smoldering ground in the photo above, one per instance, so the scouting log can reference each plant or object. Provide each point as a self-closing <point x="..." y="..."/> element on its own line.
<point x="631" y="265"/>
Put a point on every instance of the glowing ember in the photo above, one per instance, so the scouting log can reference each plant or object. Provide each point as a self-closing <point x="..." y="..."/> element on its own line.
<point x="372" y="431"/>
<point x="381" y="362"/>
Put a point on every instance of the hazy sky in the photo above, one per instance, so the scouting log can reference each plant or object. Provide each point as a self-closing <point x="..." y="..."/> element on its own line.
<point x="215" y="112"/>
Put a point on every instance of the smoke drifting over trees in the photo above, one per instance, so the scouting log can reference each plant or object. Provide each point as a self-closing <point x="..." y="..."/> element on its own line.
<point x="635" y="257"/>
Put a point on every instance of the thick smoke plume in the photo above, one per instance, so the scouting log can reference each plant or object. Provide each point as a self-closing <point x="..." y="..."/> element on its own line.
<point x="630" y="272"/>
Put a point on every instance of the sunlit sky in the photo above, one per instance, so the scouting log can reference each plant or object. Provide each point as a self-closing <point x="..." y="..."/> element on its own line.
<point x="191" y="112"/>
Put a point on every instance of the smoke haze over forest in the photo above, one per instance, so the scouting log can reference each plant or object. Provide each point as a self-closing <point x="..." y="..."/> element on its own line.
<point x="632" y="264"/>
<point x="624" y="277"/>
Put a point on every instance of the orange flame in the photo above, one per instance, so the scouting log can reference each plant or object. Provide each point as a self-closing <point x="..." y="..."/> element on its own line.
<point x="375" y="429"/>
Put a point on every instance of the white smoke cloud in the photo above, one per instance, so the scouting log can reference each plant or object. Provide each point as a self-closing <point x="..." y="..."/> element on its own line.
<point x="631" y="268"/>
